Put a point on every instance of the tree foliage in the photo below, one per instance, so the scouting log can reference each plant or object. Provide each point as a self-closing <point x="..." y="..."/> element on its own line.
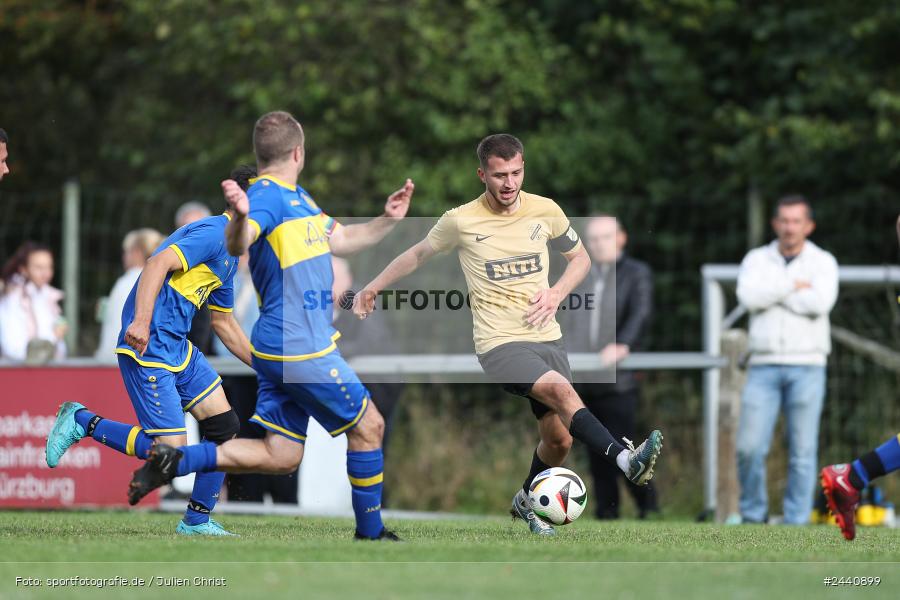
<point x="668" y="112"/>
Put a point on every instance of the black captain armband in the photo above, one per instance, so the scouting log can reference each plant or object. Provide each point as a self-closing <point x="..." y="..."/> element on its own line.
<point x="566" y="242"/>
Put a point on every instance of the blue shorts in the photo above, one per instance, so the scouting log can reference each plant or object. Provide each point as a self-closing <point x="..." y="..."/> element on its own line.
<point x="330" y="392"/>
<point x="160" y="397"/>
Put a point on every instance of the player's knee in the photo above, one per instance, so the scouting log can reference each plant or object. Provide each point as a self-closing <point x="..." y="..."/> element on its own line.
<point x="377" y="426"/>
<point x="372" y="425"/>
<point x="559" y="442"/>
<point x="220" y="428"/>
<point x="285" y="460"/>
<point x="284" y="455"/>
<point x="369" y="432"/>
<point x="560" y="396"/>
<point x="285" y="465"/>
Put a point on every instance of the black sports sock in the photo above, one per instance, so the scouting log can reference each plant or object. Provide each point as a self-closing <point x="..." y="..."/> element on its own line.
<point x="586" y="428"/>
<point x="537" y="465"/>
<point x="856" y="481"/>
<point x="871" y="462"/>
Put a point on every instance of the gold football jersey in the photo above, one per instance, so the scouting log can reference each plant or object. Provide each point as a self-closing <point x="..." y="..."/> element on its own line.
<point x="505" y="259"/>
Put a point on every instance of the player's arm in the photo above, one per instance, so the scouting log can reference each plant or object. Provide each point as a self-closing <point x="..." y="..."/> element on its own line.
<point x="817" y="296"/>
<point x="350" y="239"/>
<point x="546" y="302"/>
<point x="231" y="334"/>
<point x="405" y="264"/>
<point x="759" y="287"/>
<point x="137" y="335"/>
<point x="238" y="233"/>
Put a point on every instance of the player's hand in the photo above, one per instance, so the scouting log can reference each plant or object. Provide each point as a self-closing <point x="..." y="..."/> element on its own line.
<point x="397" y="203"/>
<point x="613" y="354"/>
<point x="236" y="197"/>
<point x="801" y="284"/>
<point x="364" y="303"/>
<point x="543" y="307"/>
<point x="138" y="336"/>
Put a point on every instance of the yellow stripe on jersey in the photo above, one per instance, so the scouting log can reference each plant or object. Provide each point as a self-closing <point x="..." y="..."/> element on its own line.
<point x="184" y="262"/>
<point x="298" y="357"/>
<point x="256" y="229"/>
<point x="220" y="308"/>
<point x="298" y="240"/>
<point x="195" y="284"/>
<point x="295" y="357"/>
<point x="158" y="365"/>
<point x="283" y="184"/>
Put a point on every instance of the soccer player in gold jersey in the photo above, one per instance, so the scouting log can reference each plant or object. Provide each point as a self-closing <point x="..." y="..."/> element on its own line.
<point x="503" y="239"/>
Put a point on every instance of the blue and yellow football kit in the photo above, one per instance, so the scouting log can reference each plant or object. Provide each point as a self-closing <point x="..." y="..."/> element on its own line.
<point x="173" y="376"/>
<point x="300" y="370"/>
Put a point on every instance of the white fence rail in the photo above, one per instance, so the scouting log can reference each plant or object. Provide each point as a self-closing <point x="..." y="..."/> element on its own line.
<point x="715" y="322"/>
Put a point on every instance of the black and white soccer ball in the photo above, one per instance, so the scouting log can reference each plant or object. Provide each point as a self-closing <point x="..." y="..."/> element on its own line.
<point x="558" y="495"/>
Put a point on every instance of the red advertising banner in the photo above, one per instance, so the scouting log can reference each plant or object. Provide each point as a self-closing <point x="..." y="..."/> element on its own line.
<point x="89" y="473"/>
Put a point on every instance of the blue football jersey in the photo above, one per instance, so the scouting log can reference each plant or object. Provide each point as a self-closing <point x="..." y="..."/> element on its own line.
<point x="290" y="262"/>
<point x="206" y="276"/>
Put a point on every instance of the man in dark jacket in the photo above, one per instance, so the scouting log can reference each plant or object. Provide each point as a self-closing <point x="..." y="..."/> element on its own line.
<point x="621" y="286"/>
<point x="372" y="336"/>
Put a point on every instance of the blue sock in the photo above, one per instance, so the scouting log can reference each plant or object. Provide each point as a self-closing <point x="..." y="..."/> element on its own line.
<point x="877" y="463"/>
<point x="198" y="458"/>
<point x="366" y="472"/>
<point x="889" y="453"/>
<point x="203" y="497"/>
<point x="125" y="438"/>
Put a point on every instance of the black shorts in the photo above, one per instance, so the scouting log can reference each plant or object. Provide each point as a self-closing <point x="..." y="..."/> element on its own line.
<point x="516" y="366"/>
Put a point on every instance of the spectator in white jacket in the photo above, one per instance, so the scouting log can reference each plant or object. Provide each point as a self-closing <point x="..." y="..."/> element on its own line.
<point x="31" y="323"/>
<point x="137" y="247"/>
<point x="789" y="286"/>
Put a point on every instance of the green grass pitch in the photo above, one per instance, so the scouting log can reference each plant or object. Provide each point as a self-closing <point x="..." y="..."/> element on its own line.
<point x="466" y="558"/>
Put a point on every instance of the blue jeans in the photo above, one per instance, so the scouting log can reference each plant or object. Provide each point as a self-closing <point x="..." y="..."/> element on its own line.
<point x="800" y="392"/>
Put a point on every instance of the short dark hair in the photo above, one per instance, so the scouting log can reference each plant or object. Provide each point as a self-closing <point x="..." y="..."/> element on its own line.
<point x="793" y="200"/>
<point x="503" y="145"/>
<point x="242" y="175"/>
<point x="275" y="136"/>
<point x="4" y="139"/>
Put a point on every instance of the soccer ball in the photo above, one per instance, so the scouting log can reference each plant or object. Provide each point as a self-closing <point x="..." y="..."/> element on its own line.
<point x="557" y="495"/>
